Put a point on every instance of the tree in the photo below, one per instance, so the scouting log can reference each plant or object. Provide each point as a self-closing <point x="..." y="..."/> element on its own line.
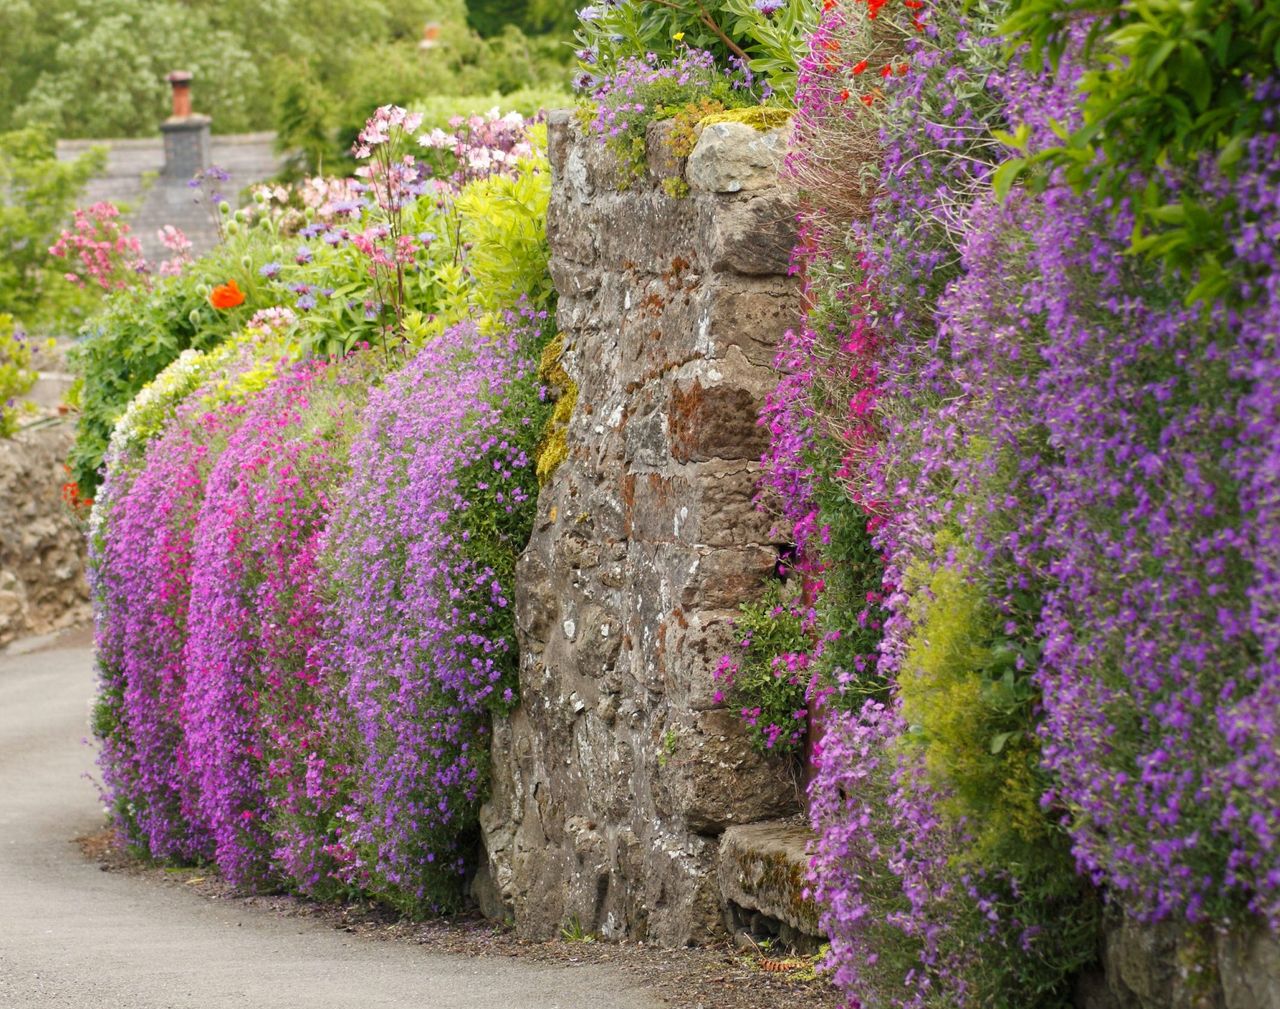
<point x="37" y="193"/>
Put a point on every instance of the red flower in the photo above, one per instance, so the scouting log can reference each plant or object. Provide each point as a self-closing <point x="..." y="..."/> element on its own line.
<point x="844" y="95"/>
<point x="868" y="99"/>
<point x="226" y="295"/>
<point x="886" y="70"/>
<point x="860" y="66"/>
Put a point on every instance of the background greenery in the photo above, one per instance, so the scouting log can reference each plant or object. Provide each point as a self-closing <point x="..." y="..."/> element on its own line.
<point x="310" y="69"/>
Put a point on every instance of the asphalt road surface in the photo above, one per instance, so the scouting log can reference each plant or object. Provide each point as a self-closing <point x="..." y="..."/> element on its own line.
<point x="74" y="937"/>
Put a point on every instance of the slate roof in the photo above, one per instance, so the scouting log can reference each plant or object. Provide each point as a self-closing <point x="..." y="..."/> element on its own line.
<point x="249" y="158"/>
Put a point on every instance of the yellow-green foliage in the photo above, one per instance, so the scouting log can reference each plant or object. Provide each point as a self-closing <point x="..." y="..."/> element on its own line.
<point x="760" y="117"/>
<point x="502" y="222"/>
<point x="16" y="376"/>
<point x="968" y="703"/>
<point x="271" y="354"/>
<point x="683" y="134"/>
<point x="687" y="123"/>
<point x="150" y="411"/>
<point x="554" y="447"/>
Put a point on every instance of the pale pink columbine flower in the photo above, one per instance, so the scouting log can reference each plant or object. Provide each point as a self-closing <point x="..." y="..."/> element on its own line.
<point x="275" y="318"/>
<point x="377" y="130"/>
<point x="173" y="239"/>
<point x="438" y="138"/>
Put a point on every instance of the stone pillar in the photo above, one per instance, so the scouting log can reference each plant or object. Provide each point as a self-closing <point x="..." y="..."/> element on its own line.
<point x="618" y="773"/>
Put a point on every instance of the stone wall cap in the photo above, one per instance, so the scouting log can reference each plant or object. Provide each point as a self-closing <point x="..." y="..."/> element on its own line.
<point x="195" y="121"/>
<point x="734" y="157"/>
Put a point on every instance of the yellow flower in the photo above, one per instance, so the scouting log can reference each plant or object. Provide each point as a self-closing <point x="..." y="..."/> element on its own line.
<point x="678" y="36"/>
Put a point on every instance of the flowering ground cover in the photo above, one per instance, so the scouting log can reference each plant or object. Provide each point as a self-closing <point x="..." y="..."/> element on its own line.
<point x="303" y="561"/>
<point x="1022" y="450"/>
<point x="1022" y="446"/>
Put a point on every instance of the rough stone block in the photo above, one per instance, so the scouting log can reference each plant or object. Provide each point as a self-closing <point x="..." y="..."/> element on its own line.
<point x="752" y="235"/>
<point x="1249" y="966"/>
<point x="728" y="781"/>
<point x="734" y="157"/>
<point x="751" y="314"/>
<point x="42" y="545"/>
<point x="721" y="579"/>
<point x="715" y="422"/>
<point x="662" y="161"/>
<point x="762" y="869"/>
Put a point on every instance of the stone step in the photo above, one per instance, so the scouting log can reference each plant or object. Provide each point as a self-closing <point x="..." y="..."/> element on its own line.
<point x="761" y="875"/>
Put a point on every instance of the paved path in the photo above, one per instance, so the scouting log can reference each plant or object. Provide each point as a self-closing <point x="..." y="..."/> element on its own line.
<point x="73" y="936"/>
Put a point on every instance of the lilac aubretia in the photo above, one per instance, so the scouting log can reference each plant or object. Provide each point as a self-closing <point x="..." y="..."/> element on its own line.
<point x="421" y="558"/>
<point x="1108" y="456"/>
<point x="256" y="707"/>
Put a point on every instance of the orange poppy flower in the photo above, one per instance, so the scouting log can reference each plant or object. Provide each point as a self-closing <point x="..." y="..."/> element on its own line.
<point x="226" y="295"/>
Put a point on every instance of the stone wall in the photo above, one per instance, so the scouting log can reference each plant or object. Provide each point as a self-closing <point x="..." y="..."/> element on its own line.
<point x="42" y="586"/>
<point x="616" y="777"/>
<point x="1166" y="967"/>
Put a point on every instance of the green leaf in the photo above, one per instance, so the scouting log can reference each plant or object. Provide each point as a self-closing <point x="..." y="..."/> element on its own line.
<point x="1161" y="54"/>
<point x="1006" y="175"/>
<point x="1017" y="140"/>
<point x="1170" y="213"/>
<point x="1194" y="75"/>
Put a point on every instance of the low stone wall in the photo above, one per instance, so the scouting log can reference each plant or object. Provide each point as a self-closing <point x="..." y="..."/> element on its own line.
<point x="42" y="545"/>
<point x="1166" y="967"/>
<point x="616" y="777"/>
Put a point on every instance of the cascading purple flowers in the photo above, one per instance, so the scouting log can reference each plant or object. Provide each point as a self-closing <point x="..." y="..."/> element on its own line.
<point x="1160" y="675"/>
<point x="1107" y="455"/>
<point x="421" y="557"/>
<point x="147" y="508"/>
<point x="142" y="613"/>
<point x="255" y="703"/>
<point x="881" y="868"/>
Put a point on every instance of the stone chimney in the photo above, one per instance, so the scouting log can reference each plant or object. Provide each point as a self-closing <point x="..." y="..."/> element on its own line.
<point x="186" y="134"/>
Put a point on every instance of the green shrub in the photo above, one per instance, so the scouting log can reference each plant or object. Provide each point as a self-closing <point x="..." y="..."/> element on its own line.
<point x="16" y="376"/>
<point x="37" y="194"/>
<point x="141" y="330"/>
<point x="966" y="694"/>
<point x="736" y="32"/>
<point x="768" y="674"/>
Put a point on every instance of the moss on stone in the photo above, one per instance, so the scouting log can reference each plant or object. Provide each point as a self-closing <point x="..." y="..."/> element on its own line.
<point x="760" y="117"/>
<point x="554" y="447"/>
